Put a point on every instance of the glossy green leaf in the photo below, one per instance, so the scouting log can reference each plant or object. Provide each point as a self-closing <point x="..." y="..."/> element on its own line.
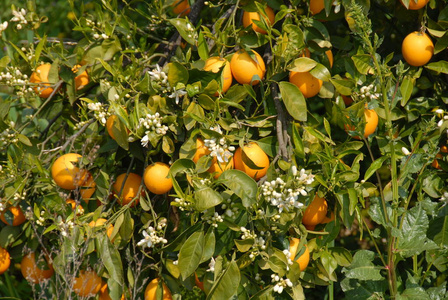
<point x="206" y="197"/>
<point x="190" y="254"/>
<point x="241" y="184"/>
<point x="226" y="285"/>
<point x="294" y="100"/>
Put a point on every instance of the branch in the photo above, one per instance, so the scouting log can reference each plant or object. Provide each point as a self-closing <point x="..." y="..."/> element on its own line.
<point x="282" y="134"/>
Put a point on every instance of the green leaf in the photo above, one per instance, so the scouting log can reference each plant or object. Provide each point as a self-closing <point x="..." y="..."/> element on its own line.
<point x="24" y="140"/>
<point x="303" y="64"/>
<point x="343" y="86"/>
<point x="206" y="197"/>
<point x="202" y="47"/>
<point x="111" y="259"/>
<point x="299" y="149"/>
<point x="362" y="267"/>
<point x="441" y="44"/>
<point x="441" y="66"/>
<point x="209" y="245"/>
<point x="190" y="254"/>
<point x="342" y="256"/>
<point x="226" y="285"/>
<point x="181" y="165"/>
<point x="177" y="73"/>
<point x="294" y="100"/>
<point x="8" y="235"/>
<point x="406" y="88"/>
<point x="374" y="166"/>
<point x="363" y="63"/>
<point x="357" y="289"/>
<point x="185" y="29"/>
<point x="4" y="61"/>
<point x="241" y="184"/>
<point x="244" y="245"/>
<point x="438" y="231"/>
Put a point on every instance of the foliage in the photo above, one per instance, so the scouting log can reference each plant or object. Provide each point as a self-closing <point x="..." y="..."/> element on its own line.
<point x="220" y="233"/>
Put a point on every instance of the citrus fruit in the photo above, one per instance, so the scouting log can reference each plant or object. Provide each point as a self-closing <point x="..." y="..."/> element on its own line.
<point x="315" y="212"/>
<point x="104" y="293"/>
<point x="87" y="188"/>
<point x="214" y="64"/>
<point x="435" y="163"/>
<point x="304" y="259"/>
<point x="87" y="284"/>
<point x="249" y="17"/>
<point x="218" y="167"/>
<point x="347" y="100"/>
<point x="66" y="174"/>
<point x="40" y="75"/>
<point x="244" y="67"/>
<point x="101" y="222"/>
<point x="130" y="188"/>
<point x="31" y="271"/>
<point x="256" y="155"/>
<point x="201" y="150"/>
<point x="17" y="215"/>
<point x="82" y="79"/>
<point x="156" y="178"/>
<point x="5" y="260"/>
<point x="416" y="4"/>
<point x="79" y="208"/>
<point x="417" y="48"/>
<point x="371" y="118"/>
<point x="198" y="283"/>
<point x="181" y="7"/>
<point x="307" y="83"/>
<point x="328" y="219"/>
<point x="151" y="290"/>
<point x="316" y="6"/>
<point x="329" y="53"/>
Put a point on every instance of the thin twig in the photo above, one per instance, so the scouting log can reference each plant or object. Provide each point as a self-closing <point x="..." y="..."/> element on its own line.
<point x="281" y="125"/>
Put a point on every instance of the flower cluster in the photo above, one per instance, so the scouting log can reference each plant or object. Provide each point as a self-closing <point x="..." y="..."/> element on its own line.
<point x="368" y="92"/>
<point x="12" y="76"/>
<point x="3" y="27"/>
<point x="152" y="123"/>
<point x="183" y="204"/>
<point x="153" y="236"/>
<point x="99" y="111"/>
<point x="246" y="234"/>
<point x="285" y="195"/>
<point x="443" y="115"/>
<point x="64" y="226"/>
<point x="213" y="220"/>
<point x="221" y="150"/>
<point x="160" y="83"/>
<point x="8" y="136"/>
<point x="19" y="17"/>
<point x="444" y="197"/>
<point x="281" y="283"/>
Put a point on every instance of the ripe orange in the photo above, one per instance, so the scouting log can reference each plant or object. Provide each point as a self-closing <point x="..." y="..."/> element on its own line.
<point x="31" y="271"/>
<point x="307" y="83"/>
<point x="328" y="219"/>
<point x="315" y="212"/>
<point x="87" y="284"/>
<point x="66" y="174"/>
<point x="256" y="155"/>
<point x="371" y="118"/>
<point x="109" y="124"/>
<point x="417" y="48"/>
<point x="156" y="178"/>
<point x="82" y="79"/>
<point x="214" y="64"/>
<point x="130" y="189"/>
<point x="435" y="163"/>
<point x="41" y="76"/>
<point x="151" y="290"/>
<point x="416" y="4"/>
<point x="248" y="18"/>
<point x="244" y="67"/>
<point x="316" y="6"/>
<point x="78" y="208"/>
<point x="199" y="283"/>
<point x="5" y="260"/>
<point x="181" y="7"/>
<point x="217" y="167"/>
<point x="104" y="293"/>
<point x="303" y="259"/>
<point x="18" y="216"/>
<point x="87" y="188"/>
<point x="201" y="150"/>
<point x="101" y="222"/>
<point x="329" y="53"/>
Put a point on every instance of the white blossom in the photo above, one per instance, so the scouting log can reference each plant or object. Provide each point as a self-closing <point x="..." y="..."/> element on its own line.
<point x="405" y="151"/>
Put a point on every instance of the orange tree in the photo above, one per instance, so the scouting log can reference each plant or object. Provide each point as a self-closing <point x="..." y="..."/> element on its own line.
<point x="332" y="136"/>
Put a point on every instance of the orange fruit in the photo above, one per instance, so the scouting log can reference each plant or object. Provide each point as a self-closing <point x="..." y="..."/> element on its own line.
<point x="371" y="118"/>
<point x="66" y="174"/>
<point x="303" y="259"/>
<point x="82" y="79"/>
<point x="17" y="213"/>
<point x="435" y="163"/>
<point x="101" y="222"/>
<point x="41" y="76"/>
<point x="416" y="4"/>
<point x="329" y="53"/>
<point x="31" y="271"/>
<point x="256" y="155"/>
<point x="181" y="7"/>
<point x="5" y="260"/>
<point x="328" y="219"/>
<point x="156" y="178"/>
<point x="201" y="150"/>
<point x="307" y="83"/>
<point x="218" y="167"/>
<point x="72" y="203"/>
<point x="104" y="293"/>
<point x="315" y="212"/>
<point x="249" y="17"/>
<point x="347" y="100"/>
<point x="417" y="48"/>
<point x="316" y="6"/>
<point x="244" y="67"/>
<point x="151" y="290"/>
<point x="87" y="188"/>
<point x="214" y="64"/>
<point x="87" y="284"/>
<point x="130" y="188"/>
<point x="199" y="283"/>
